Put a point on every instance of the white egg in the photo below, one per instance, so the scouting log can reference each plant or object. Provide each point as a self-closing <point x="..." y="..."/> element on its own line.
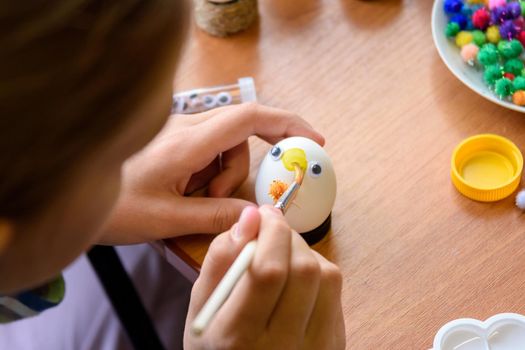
<point x="315" y="198"/>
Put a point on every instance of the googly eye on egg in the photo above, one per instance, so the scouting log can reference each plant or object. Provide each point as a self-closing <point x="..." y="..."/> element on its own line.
<point x="276" y="152"/>
<point x="315" y="169"/>
<point x="315" y="199"/>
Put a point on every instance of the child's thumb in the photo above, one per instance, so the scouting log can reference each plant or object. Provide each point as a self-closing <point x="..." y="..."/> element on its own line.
<point x="222" y="252"/>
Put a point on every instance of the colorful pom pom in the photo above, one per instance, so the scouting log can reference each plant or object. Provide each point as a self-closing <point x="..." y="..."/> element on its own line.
<point x="508" y="30"/>
<point x="463" y="38"/>
<point x="521" y="37"/>
<point x="493" y="34"/>
<point x="469" y="52"/>
<point x="504" y="87"/>
<point x="517" y="47"/>
<point x="519" y="83"/>
<point x="519" y="24"/>
<point x="492" y="73"/>
<point x="513" y="10"/>
<point x="510" y="49"/>
<point x="513" y="66"/>
<point x="478" y="37"/>
<point x="519" y="98"/>
<point x="497" y="15"/>
<point x="488" y="55"/>
<point x="481" y="18"/>
<point x="496" y="3"/>
<point x="453" y="6"/>
<point x="461" y="20"/>
<point x="452" y="29"/>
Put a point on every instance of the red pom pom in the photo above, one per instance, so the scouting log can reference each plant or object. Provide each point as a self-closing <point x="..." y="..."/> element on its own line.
<point x="509" y="76"/>
<point x="521" y="37"/>
<point x="519" y="24"/>
<point x="481" y="19"/>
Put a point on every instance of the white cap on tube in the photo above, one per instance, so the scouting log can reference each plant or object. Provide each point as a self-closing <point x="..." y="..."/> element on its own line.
<point x="247" y="87"/>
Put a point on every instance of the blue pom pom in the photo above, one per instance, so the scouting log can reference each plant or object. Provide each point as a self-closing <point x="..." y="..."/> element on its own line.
<point x="461" y="20"/>
<point x="467" y="11"/>
<point x="453" y="6"/>
<point x="469" y="26"/>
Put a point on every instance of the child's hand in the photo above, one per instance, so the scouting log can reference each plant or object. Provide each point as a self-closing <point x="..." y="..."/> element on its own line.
<point x="289" y="298"/>
<point x="183" y="158"/>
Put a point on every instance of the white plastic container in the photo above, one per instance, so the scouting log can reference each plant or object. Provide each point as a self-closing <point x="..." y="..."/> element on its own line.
<point x="203" y="99"/>
<point x="499" y="332"/>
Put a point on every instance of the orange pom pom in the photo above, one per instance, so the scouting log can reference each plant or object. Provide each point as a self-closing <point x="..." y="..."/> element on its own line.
<point x="519" y="98"/>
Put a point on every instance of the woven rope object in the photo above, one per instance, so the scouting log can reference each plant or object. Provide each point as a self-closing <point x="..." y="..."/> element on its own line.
<point x="221" y="18"/>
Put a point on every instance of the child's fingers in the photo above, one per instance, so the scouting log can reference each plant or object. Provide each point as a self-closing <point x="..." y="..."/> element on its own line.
<point x="234" y="125"/>
<point x="203" y="215"/>
<point x="222" y="252"/>
<point x="300" y="293"/>
<point x="235" y="169"/>
<point x="250" y="306"/>
<point x="326" y="322"/>
<point x="203" y="177"/>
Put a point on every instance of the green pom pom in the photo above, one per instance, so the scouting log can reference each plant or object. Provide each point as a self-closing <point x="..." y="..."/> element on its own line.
<point x="514" y="66"/>
<point x="479" y="37"/>
<point x="517" y="47"/>
<point x="504" y="87"/>
<point x="452" y="29"/>
<point x="510" y="49"/>
<point x="490" y="46"/>
<point x="488" y="55"/>
<point x="519" y="83"/>
<point x="522" y="4"/>
<point x="505" y="49"/>
<point x="492" y="73"/>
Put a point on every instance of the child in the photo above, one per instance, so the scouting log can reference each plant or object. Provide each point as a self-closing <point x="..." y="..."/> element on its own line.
<point x="86" y="86"/>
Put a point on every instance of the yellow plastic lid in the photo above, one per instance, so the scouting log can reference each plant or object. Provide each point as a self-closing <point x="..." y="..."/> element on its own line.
<point x="486" y="167"/>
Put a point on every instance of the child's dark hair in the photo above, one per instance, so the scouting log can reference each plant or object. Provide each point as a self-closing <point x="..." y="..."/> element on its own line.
<point x="71" y="73"/>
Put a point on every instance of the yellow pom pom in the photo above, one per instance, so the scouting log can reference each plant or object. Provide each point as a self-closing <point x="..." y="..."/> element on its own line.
<point x="493" y="34"/>
<point x="463" y="38"/>
<point x="480" y="2"/>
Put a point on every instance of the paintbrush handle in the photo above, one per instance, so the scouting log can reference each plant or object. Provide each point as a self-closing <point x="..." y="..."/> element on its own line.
<point x="224" y="288"/>
<point x="236" y="270"/>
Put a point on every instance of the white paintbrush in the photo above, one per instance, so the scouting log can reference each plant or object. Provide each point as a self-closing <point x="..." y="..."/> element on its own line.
<point x="241" y="264"/>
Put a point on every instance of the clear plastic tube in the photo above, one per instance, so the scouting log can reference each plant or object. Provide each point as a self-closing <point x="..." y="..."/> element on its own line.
<point x="203" y="99"/>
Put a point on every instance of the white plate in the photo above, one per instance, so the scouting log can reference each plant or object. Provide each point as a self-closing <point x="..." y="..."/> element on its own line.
<point x="500" y="332"/>
<point x="450" y="54"/>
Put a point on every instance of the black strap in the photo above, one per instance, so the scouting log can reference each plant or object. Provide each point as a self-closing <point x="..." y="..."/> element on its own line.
<point x="124" y="298"/>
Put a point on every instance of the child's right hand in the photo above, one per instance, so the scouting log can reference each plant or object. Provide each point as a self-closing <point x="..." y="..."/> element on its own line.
<point x="289" y="298"/>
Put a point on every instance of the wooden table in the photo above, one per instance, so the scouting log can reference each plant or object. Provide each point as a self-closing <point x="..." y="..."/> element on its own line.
<point x="415" y="254"/>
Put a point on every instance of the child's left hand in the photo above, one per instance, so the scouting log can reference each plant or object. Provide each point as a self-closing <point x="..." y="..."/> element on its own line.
<point x="184" y="157"/>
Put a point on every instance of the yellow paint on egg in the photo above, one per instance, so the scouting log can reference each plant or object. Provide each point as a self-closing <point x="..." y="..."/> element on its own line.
<point x="294" y="155"/>
<point x="493" y="35"/>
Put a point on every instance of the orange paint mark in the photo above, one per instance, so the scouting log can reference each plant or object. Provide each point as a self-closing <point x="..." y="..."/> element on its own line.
<point x="277" y="188"/>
